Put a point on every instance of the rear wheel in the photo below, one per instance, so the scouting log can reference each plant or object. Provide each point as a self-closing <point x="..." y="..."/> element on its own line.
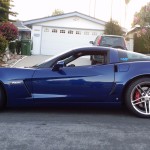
<point x="138" y="97"/>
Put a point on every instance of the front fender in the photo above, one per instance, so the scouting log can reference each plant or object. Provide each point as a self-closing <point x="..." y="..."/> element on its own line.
<point x="17" y="83"/>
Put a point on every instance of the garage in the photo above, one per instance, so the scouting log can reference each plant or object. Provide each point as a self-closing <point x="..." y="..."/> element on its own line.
<point x="61" y="39"/>
<point x="56" y="34"/>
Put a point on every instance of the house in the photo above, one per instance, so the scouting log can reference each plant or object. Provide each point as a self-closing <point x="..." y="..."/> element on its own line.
<point x="55" y="34"/>
<point x="24" y="32"/>
<point x="130" y="38"/>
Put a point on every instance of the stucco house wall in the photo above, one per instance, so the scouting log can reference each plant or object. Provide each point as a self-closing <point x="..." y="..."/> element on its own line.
<point x="55" y="34"/>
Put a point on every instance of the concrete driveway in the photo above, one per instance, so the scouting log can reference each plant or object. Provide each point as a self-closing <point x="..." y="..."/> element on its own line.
<point x="28" y="61"/>
<point x="32" y="60"/>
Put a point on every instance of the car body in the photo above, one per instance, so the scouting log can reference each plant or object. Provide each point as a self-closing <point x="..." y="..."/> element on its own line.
<point x="122" y="77"/>
<point x="113" y="41"/>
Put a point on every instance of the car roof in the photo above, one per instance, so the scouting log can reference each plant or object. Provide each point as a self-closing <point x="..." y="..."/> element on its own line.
<point x="111" y="35"/>
<point x="97" y="48"/>
<point x="52" y="60"/>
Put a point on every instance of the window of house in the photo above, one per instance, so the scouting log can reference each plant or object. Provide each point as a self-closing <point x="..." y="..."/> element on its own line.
<point x="46" y="30"/>
<point x="62" y="31"/>
<point x="94" y="33"/>
<point x="54" y="30"/>
<point x="78" y="32"/>
<point x="70" y="32"/>
<point x="86" y="33"/>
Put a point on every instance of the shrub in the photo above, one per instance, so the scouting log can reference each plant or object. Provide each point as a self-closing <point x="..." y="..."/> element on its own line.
<point x="3" y="44"/>
<point x="9" y="31"/>
<point x="18" y="47"/>
<point x="113" y="28"/>
<point x="12" y="47"/>
<point x="139" y="45"/>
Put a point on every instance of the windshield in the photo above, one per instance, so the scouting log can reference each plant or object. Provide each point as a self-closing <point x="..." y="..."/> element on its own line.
<point x="51" y="58"/>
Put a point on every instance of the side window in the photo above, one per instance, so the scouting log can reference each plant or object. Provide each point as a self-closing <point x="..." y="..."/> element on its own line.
<point x="86" y="59"/>
<point x="123" y="57"/>
<point x="98" y="59"/>
<point x="81" y="61"/>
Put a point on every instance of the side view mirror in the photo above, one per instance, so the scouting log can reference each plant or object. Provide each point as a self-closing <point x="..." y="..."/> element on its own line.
<point x="58" y="65"/>
<point x="91" y="42"/>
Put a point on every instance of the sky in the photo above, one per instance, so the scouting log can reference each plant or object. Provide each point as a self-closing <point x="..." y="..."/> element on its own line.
<point x="32" y="9"/>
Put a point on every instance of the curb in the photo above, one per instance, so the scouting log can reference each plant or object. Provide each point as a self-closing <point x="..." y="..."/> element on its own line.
<point x="18" y="61"/>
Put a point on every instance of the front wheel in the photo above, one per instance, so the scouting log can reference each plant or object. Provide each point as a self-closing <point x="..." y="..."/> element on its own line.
<point x="137" y="97"/>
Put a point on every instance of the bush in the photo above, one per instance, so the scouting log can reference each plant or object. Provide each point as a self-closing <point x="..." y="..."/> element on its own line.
<point x="9" y="31"/>
<point x="18" y="47"/>
<point x="113" y="28"/>
<point x="12" y="47"/>
<point x="139" y="45"/>
<point x="3" y="44"/>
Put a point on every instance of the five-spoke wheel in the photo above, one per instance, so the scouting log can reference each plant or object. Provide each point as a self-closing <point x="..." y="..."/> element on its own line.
<point x="138" y="97"/>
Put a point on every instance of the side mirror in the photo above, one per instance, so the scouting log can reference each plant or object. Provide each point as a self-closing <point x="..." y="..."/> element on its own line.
<point x="58" y="65"/>
<point x="91" y="42"/>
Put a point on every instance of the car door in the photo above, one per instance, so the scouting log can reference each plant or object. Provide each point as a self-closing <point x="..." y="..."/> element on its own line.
<point x="74" y="84"/>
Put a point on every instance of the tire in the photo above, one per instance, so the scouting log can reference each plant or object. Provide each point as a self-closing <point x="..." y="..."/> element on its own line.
<point x="93" y="62"/>
<point x="2" y="99"/>
<point x="137" y="97"/>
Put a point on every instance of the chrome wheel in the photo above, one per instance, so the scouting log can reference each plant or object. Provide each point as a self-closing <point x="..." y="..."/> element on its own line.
<point x="140" y="98"/>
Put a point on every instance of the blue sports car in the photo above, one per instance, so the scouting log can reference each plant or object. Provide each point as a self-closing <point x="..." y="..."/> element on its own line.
<point x="117" y="77"/>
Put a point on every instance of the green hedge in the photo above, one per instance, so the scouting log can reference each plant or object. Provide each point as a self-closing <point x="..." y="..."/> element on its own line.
<point x="12" y="47"/>
<point x="18" y="46"/>
<point x="15" y="45"/>
<point x="3" y="44"/>
<point x="139" y="45"/>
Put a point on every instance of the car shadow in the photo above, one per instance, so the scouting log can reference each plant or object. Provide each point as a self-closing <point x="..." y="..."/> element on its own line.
<point x="121" y="111"/>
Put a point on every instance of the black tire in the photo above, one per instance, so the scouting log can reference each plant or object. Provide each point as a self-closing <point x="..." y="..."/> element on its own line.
<point x="2" y="99"/>
<point x="137" y="97"/>
<point x="93" y="62"/>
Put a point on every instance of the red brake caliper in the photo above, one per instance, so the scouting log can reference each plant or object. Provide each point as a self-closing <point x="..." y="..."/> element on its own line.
<point x="137" y="95"/>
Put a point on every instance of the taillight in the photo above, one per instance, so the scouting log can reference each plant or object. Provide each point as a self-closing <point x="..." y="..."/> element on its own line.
<point x="99" y="40"/>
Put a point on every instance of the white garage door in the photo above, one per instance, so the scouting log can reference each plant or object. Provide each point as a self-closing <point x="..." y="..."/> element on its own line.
<point x="58" y="40"/>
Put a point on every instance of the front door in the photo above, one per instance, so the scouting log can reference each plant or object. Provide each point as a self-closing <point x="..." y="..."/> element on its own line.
<point x="74" y="84"/>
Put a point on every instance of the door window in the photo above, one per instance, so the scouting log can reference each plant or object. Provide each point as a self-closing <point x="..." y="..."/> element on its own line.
<point x="84" y="59"/>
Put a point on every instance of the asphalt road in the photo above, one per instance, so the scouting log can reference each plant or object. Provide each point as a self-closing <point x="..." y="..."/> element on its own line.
<point x="72" y="129"/>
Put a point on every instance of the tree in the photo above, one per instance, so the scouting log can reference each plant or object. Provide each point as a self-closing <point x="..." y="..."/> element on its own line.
<point x="57" y="12"/>
<point x="113" y="28"/>
<point x="126" y="4"/>
<point x="9" y="31"/>
<point x="127" y="1"/>
<point x="142" y="19"/>
<point x="3" y="44"/>
<point x="5" y="10"/>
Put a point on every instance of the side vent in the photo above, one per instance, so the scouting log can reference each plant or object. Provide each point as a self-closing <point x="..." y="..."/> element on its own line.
<point x="115" y="68"/>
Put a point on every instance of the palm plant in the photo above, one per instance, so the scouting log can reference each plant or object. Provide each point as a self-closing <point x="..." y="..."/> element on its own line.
<point x="126" y="4"/>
